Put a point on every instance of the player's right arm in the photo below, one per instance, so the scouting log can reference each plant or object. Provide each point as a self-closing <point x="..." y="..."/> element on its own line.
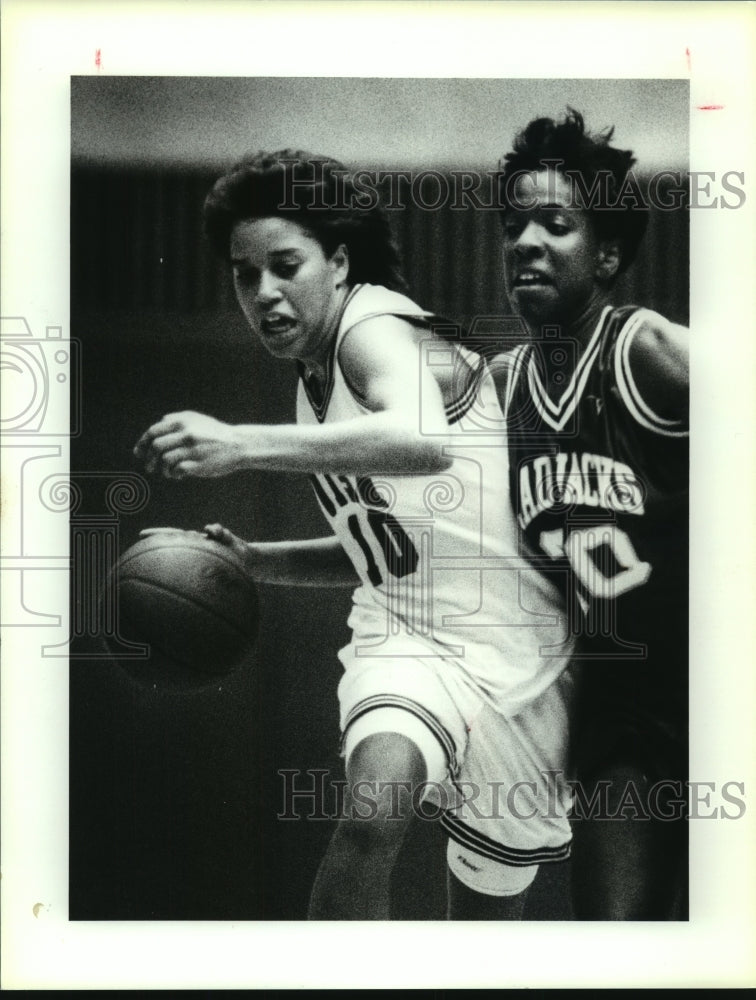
<point x="380" y="360"/>
<point x="654" y="370"/>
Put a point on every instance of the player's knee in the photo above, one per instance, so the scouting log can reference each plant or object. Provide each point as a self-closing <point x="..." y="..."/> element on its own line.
<point x="485" y="876"/>
<point x="386" y="757"/>
<point x="384" y="770"/>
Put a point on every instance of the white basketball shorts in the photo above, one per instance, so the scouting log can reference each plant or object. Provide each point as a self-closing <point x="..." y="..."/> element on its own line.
<point x="500" y="782"/>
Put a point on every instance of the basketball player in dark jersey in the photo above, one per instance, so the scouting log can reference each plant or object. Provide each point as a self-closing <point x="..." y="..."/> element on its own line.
<point x="597" y="404"/>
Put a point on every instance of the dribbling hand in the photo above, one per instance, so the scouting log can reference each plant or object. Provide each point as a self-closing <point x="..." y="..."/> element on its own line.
<point x="215" y="533"/>
<point x="240" y="548"/>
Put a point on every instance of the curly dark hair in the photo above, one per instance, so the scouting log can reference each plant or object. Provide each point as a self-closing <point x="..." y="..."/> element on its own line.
<point x="589" y="159"/>
<point x="315" y="191"/>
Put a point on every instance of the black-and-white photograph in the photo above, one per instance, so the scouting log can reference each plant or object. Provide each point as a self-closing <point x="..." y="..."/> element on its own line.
<point x="384" y="588"/>
<point x="475" y="364"/>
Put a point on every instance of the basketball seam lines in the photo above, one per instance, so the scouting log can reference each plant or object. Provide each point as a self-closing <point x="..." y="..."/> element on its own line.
<point x="186" y="600"/>
<point x="221" y="557"/>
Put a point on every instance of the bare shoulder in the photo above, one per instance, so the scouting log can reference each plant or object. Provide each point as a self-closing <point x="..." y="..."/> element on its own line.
<point x="379" y="344"/>
<point x="657" y="358"/>
<point x="662" y="344"/>
<point x="393" y="351"/>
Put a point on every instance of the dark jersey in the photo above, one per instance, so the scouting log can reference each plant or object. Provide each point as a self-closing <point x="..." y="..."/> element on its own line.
<point x="600" y="483"/>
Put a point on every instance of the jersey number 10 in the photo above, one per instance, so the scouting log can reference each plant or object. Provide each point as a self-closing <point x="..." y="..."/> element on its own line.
<point x="581" y="549"/>
<point x="399" y="554"/>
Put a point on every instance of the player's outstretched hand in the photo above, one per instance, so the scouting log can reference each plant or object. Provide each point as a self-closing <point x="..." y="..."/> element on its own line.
<point x="189" y="444"/>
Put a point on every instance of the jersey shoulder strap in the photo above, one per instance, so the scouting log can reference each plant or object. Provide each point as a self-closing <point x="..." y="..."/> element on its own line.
<point x="615" y="321"/>
<point x="371" y="301"/>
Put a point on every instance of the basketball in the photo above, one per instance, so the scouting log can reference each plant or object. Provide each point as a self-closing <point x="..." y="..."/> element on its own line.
<point x="190" y="600"/>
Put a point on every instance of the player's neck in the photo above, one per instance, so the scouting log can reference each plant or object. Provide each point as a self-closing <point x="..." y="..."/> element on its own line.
<point x="567" y="339"/>
<point x="316" y="365"/>
<point x="580" y="326"/>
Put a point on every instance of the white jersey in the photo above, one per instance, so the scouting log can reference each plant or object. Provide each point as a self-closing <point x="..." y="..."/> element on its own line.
<point x="439" y="556"/>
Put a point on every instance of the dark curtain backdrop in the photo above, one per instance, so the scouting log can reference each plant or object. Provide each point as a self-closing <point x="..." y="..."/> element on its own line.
<point x="174" y="799"/>
<point x="139" y="246"/>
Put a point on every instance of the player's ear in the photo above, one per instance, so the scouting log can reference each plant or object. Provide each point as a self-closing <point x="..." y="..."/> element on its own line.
<point x="608" y="260"/>
<point x="340" y="263"/>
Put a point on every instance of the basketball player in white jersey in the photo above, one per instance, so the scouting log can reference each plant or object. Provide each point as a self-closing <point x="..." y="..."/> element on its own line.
<point x="454" y="688"/>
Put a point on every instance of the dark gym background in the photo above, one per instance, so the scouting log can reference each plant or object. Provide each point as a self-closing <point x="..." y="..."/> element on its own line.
<point x="174" y="798"/>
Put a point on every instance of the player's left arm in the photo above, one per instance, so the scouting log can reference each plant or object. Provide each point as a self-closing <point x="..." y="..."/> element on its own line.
<point x="381" y="361"/>
<point x="311" y="562"/>
<point x="655" y="371"/>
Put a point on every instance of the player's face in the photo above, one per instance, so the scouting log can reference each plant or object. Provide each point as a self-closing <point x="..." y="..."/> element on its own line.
<point x="287" y="287"/>
<point x="551" y="254"/>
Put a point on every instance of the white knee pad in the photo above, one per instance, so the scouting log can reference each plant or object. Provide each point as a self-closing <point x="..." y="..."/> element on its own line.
<point x="491" y="878"/>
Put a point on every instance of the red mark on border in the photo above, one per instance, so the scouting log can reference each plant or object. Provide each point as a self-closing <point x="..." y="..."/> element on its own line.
<point x="710" y="107"/>
<point x="687" y="56"/>
<point x="98" y="58"/>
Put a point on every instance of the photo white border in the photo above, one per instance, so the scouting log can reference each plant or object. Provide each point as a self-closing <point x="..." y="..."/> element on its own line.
<point x="43" y="45"/>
